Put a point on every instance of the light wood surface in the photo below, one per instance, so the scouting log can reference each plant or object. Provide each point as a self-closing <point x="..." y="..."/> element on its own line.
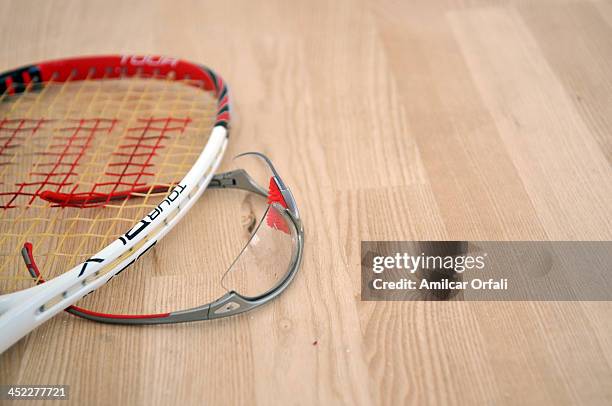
<point x="390" y="120"/>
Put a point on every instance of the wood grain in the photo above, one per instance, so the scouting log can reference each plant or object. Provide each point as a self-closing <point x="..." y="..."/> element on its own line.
<point x="479" y="119"/>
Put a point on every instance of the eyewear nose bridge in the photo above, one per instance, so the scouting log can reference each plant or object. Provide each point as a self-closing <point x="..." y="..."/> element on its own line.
<point x="240" y="179"/>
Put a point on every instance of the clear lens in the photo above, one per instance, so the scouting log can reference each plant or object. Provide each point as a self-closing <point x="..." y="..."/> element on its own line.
<point x="256" y="167"/>
<point x="267" y="258"/>
<point x="269" y="253"/>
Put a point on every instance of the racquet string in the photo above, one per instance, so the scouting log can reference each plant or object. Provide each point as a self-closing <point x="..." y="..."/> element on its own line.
<point x="72" y="153"/>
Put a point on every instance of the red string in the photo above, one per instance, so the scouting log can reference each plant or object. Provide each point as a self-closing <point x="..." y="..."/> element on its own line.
<point x="17" y="134"/>
<point x="59" y="183"/>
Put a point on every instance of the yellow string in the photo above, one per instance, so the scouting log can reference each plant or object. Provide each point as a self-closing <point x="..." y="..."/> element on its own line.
<point x="64" y="237"/>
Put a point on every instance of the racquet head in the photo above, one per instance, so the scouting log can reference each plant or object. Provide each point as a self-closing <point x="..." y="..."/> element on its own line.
<point x="99" y="158"/>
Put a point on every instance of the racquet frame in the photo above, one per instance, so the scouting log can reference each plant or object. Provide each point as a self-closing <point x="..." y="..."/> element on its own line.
<point x="22" y="311"/>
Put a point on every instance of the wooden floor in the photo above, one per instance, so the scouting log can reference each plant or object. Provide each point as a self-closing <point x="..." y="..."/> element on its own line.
<point x="473" y="119"/>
